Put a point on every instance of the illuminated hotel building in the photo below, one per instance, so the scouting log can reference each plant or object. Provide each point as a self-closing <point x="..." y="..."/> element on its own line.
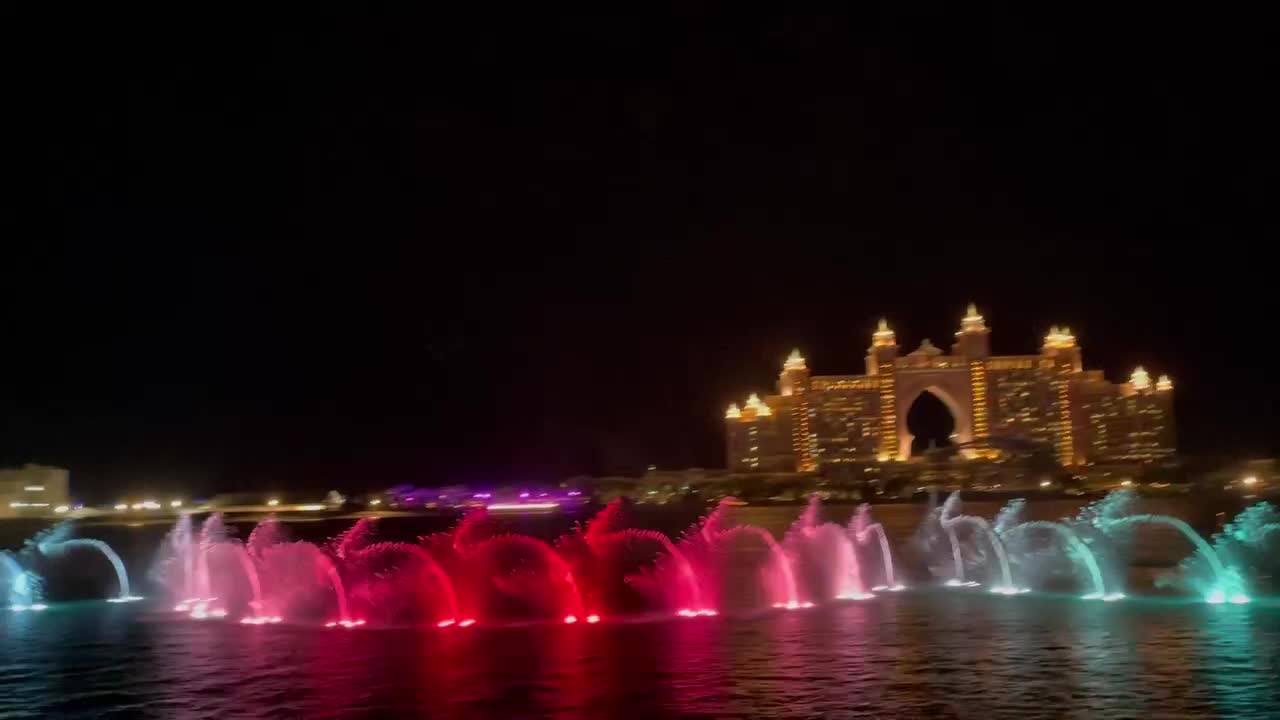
<point x="1001" y="405"/>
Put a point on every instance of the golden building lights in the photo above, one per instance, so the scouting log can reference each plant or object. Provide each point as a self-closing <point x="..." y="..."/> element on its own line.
<point x="1140" y="380"/>
<point x="1059" y="337"/>
<point x="972" y="321"/>
<point x="1001" y="405"/>
<point x="760" y="409"/>
<point x="883" y="336"/>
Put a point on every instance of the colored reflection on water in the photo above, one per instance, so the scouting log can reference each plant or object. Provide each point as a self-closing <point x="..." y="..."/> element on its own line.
<point x="908" y="655"/>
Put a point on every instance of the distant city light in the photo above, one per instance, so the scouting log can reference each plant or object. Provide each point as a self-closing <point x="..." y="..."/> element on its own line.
<point x="310" y="508"/>
<point x="1251" y="480"/>
<point x="1126" y="483"/>
<point x="273" y="502"/>
<point x="523" y="506"/>
<point x="175" y="503"/>
<point x="375" y="503"/>
<point x="61" y="509"/>
<point x="1045" y="483"/>
<point x="34" y="488"/>
<point x="121" y="506"/>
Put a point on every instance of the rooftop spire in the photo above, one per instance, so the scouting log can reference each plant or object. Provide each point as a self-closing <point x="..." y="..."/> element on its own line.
<point x="1140" y="380"/>
<point x="972" y="321"/>
<point x="883" y="334"/>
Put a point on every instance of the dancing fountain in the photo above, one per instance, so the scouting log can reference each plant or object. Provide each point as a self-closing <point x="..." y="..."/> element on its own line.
<point x="827" y="551"/>
<point x="863" y="529"/>
<point x="22" y="586"/>
<point x="480" y="572"/>
<point x="55" y="542"/>
<point x="951" y="521"/>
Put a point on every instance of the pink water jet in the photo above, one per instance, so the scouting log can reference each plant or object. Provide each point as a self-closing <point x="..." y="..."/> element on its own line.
<point x="339" y="591"/>
<point x="781" y="563"/>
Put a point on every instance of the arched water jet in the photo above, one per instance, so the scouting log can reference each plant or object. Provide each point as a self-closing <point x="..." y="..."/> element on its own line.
<point x="1081" y="550"/>
<point x="122" y="575"/>
<point x="1227" y="587"/>
<point x="886" y="556"/>
<point x="339" y="590"/>
<point x="829" y="547"/>
<point x="951" y="522"/>
<point x="847" y="574"/>
<point x="780" y="560"/>
<point x="441" y="578"/>
<point x="251" y="574"/>
<point x="555" y="570"/>
<point x="377" y="562"/>
<point x="693" y="604"/>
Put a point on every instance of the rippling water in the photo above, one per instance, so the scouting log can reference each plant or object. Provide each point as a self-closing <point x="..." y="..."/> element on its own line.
<point x="920" y="654"/>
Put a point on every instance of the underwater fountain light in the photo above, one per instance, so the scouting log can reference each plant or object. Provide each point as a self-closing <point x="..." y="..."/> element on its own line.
<point x="446" y="623"/>
<point x="125" y="599"/>
<point x="860" y="596"/>
<point x="593" y="619"/>
<point x="570" y="619"/>
<point x="260" y="620"/>
<point x="1112" y="597"/>
<point x="691" y="613"/>
<point x="467" y="623"/>
<point x="34" y="607"/>
<point x="1217" y="597"/>
<point x="1239" y="599"/>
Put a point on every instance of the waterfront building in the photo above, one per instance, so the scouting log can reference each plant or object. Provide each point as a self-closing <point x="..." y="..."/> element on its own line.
<point x="33" y="490"/>
<point x="1002" y="406"/>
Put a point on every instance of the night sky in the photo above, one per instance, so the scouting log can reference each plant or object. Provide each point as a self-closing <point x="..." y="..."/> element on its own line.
<point x="322" y="251"/>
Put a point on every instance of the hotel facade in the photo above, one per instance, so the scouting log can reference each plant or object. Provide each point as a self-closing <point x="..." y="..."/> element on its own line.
<point x="1003" y="406"/>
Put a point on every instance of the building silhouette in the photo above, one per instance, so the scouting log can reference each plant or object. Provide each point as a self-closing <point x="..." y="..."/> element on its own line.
<point x="1003" y="406"/>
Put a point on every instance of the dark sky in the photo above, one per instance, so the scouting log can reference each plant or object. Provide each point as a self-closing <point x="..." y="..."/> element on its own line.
<point x="321" y="250"/>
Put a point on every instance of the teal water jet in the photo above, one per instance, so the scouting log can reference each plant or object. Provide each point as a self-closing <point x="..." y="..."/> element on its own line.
<point x="122" y="575"/>
<point x="24" y="587"/>
<point x="1228" y="587"/>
